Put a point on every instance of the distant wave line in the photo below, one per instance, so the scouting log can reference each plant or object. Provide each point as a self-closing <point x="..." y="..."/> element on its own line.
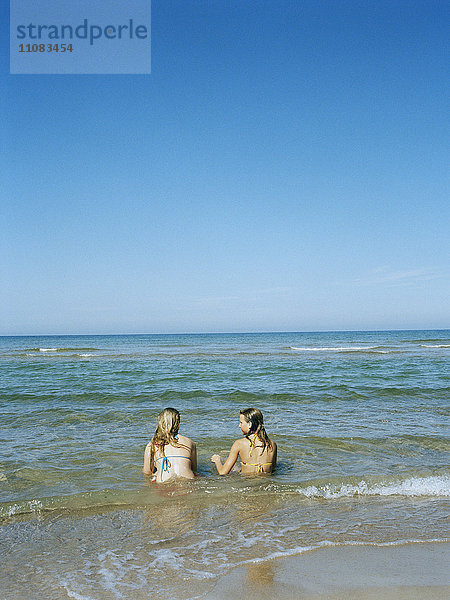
<point x="435" y="345"/>
<point x="418" y="341"/>
<point x="374" y="349"/>
<point x="72" y="349"/>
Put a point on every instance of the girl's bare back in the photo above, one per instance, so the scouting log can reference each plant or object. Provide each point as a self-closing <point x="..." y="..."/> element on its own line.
<point x="177" y="461"/>
<point x="255" y="458"/>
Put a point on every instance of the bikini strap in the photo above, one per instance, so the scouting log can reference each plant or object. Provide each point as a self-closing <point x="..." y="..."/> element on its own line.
<point x="252" y="442"/>
<point x="258" y="465"/>
<point x="165" y="465"/>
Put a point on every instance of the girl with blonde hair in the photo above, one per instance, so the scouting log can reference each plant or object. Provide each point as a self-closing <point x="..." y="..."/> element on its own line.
<point x="170" y="454"/>
<point x="258" y="453"/>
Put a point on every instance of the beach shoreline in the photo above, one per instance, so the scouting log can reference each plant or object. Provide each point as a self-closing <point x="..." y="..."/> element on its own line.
<point x="410" y="571"/>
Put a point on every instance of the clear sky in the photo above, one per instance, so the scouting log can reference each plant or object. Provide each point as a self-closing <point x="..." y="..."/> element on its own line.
<point x="283" y="168"/>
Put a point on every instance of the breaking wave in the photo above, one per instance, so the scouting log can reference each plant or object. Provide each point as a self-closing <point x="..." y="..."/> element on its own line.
<point x="415" y="486"/>
<point x="74" y="349"/>
<point x="372" y="349"/>
<point x="435" y="345"/>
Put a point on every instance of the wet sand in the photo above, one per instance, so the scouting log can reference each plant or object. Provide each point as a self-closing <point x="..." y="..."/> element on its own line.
<point x="407" y="572"/>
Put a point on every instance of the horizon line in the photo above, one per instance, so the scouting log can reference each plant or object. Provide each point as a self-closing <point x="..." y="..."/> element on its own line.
<point x="218" y="332"/>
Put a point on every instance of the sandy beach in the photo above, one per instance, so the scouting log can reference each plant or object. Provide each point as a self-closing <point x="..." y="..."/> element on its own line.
<point x="403" y="572"/>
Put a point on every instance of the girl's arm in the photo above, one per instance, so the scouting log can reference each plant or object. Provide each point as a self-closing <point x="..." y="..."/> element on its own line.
<point x="148" y="462"/>
<point x="225" y="468"/>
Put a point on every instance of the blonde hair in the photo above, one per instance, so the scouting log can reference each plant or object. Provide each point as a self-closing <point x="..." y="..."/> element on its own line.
<point x="165" y="432"/>
<point x="255" y="417"/>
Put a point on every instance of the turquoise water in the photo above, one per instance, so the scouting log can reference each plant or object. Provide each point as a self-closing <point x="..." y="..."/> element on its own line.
<point x="360" y="419"/>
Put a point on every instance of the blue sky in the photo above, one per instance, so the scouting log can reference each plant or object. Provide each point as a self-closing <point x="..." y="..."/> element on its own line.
<point x="283" y="168"/>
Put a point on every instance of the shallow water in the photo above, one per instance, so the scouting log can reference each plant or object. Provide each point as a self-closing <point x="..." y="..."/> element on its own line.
<point x="360" y="419"/>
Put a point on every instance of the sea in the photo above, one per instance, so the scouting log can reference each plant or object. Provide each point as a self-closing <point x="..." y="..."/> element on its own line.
<point x="360" y="419"/>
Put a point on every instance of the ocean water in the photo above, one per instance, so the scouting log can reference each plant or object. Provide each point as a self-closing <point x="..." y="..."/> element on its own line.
<point x="360" y="419"/>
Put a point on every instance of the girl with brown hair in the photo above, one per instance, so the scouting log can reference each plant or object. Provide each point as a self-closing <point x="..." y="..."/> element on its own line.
<point x="258" y="453"/>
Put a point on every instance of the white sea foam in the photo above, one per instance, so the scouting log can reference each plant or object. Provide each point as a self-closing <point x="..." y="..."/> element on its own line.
<point x="435" y="345"/>
<point x="415" y="486"/>
<point x="34" y="506"/>
<point x="112" y="570"/>
<point x="329" y="544"/>
<point x="339" y="349"/>
<point x="86" y="355"/>
<point x="164" y="557"/>
<point x="72" y="593"/>
<point x="48" y="349"/>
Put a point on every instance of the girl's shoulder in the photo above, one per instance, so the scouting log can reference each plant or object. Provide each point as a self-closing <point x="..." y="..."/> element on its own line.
<point x="241" y="443"/>
<point x="182" y="439"/>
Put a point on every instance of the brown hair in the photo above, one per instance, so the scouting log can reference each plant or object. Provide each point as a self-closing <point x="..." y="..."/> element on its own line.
<point x="255" y="417"/>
